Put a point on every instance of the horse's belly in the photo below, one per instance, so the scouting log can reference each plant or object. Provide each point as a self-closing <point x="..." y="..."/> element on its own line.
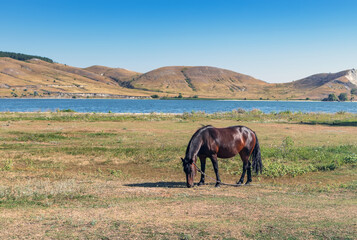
<point x="224" y="153"/>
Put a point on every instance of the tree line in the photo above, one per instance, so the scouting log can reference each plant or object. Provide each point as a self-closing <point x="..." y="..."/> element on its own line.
<point x="342" y="97"/>
<point x="23" y="57"/>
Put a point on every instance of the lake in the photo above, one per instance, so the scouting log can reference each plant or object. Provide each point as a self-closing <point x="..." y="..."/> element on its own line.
<point x="169" y="106"/>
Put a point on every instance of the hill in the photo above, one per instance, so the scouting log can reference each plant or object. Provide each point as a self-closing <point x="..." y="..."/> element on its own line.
<point x="207" y="81"/>
<point x="117" y="74"/>
<point x="39" y="78"/>
<point x="318" y="86"/>
<point x="35" y="77"/>
<point x="221" y="83"/>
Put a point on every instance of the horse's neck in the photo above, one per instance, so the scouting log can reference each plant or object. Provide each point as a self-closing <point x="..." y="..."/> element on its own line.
<point x="193" y="148"/>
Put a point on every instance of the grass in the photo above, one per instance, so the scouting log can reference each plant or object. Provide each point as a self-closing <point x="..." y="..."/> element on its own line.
<point x="108" y="176"/>
<point x="334" y="119"/>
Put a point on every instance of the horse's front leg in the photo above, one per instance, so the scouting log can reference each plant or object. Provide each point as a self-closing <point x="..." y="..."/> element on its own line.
<point x="215" y="167"/>
<point x="203" y="168"/>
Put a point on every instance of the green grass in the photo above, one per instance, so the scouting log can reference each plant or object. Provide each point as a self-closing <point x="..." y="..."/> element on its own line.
<point x="295" y="161"/>
<point x="38" y="137"/>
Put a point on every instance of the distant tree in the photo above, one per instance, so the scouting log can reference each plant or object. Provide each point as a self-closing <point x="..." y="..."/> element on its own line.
<point x="179" y="96"/>
<point x="155" y="96"/>
<point x="354" y="91"/>
<point x="331" y="98"/>
<point x="23" y="57"/>
<point x="343" y="97"/>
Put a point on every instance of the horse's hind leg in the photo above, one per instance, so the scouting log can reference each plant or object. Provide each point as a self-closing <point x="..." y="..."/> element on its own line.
<point x="249" y="173"/>
<point x="203" y="168"/>
<point x="246" y="168"/>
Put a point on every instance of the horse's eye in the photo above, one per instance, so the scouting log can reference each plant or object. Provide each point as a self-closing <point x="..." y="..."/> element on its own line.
<point x="187" y="168"/>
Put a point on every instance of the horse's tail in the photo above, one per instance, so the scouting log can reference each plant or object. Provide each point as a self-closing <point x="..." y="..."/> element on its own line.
<point x="256" y="157"/>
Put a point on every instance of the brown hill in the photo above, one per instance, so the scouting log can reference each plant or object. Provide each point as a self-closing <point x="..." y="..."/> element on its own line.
<point x="318" y="86"/>
<point x="206" y="81"/>
<point x="117" y="74"/>
<point x="37" y="77"/>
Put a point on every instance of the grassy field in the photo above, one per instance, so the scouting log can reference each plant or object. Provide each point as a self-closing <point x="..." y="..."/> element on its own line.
<point x="117" y="176"/>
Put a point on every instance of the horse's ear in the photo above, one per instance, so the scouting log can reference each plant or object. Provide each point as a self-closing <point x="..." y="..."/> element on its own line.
<point x="182" y="159"/>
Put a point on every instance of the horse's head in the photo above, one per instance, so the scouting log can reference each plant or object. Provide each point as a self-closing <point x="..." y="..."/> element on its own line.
<point x="190" y="169"/>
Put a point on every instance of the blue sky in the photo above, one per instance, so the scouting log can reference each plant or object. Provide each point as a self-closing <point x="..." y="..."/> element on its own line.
<point x="273" y="40"/>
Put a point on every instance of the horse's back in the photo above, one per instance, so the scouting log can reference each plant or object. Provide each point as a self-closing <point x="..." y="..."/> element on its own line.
<point x="227" y="142"/>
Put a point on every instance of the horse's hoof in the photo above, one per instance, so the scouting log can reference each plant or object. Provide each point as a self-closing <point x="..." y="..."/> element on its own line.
<point x="218" y="185"/>
<point x="200" y="183"/>
<point x="247" y="183"/>
<point x="239" y="183"/>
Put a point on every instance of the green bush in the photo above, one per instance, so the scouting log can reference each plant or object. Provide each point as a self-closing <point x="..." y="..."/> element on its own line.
<point x="331" y="98"/>
<point x="343" y="97"/>
<point x="66" y="110"/>
<point x="350" y="159"/>
<point x="326" y="166"/>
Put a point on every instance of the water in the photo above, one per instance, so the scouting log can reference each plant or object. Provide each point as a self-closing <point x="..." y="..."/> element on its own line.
<point x="169" y="106"/>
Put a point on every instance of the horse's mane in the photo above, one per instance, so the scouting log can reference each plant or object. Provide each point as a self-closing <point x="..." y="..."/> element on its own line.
<point x="194" y="136"/>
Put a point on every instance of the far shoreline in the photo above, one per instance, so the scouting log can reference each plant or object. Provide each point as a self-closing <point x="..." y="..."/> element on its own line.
<point x="173" y="98"/>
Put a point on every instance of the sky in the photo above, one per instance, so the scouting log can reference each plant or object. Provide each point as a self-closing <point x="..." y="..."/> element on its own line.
<point x="272" y="40"/>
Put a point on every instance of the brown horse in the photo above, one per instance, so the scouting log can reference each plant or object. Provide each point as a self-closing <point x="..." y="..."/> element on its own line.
<point x="212" y="142"/>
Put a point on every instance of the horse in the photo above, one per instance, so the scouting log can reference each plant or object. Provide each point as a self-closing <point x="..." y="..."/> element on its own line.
<point x="214" y="143"/>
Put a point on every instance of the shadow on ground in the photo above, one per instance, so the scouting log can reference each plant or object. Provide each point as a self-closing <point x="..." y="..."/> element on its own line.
<point x="158" y="184"/>
<point x="333" y="123"/>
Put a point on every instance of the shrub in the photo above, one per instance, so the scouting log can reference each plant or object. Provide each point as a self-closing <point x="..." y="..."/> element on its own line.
<point x="354" y="91"/>
<point x="350" y="159"/>
<point x="343" y="97"/>
<point x="65" y="110"/>
<point x="239" y="110"/>
<point x="329" y="166"/>
<point x="286" y="112"/>
<point x="331" y="98"/>
<point x="256" y="111"/>
<point x="287" y="147"/>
